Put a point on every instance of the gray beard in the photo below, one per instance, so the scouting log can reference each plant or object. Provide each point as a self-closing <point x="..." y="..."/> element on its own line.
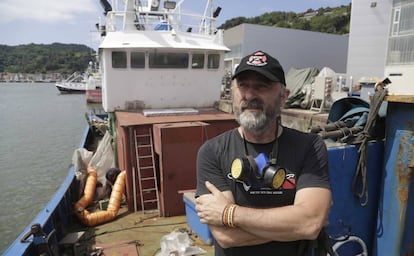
<point x="255" y="123"/>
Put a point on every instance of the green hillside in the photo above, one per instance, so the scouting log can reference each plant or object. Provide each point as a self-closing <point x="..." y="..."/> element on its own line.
<point x="326" y="20"/>
<point x="45" y="58"/>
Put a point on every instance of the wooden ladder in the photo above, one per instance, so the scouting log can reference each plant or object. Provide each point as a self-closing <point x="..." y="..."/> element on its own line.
<point x="147" y="176"/>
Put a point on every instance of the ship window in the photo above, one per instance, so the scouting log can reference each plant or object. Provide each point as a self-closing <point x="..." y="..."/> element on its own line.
<point x="197" y="60"/>
<point x="119" y="60"/>
<point x="213" y="61"/>
<point x="168" y="60"/>
<point x="137" y="60"/>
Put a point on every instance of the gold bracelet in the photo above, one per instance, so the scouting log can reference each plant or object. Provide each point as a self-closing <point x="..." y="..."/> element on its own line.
<point x="231" y="215"/>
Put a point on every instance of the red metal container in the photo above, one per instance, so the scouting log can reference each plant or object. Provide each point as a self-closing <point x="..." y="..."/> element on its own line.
<point x="175" y="143"/>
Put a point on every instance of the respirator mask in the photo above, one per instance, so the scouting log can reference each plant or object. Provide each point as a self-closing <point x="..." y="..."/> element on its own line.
<point x="258" y="172"/>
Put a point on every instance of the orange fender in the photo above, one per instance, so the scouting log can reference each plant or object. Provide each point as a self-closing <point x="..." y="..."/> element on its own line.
<point x="99" y="217"/>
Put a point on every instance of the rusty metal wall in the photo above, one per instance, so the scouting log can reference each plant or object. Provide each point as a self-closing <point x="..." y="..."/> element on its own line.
<point x="175" y="150"/>
<point x="176" y="145"/>
<point x="395" y="224"/>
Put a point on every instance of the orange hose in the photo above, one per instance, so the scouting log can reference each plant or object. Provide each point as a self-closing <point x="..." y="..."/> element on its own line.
<point x="96" y="218"/>
<point x="89" y="190"/>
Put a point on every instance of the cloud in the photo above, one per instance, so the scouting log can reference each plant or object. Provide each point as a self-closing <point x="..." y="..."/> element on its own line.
<point x="45" y="10"/>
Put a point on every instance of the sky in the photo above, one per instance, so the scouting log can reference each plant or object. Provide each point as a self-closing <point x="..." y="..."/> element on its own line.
<point x="73" y="21"/>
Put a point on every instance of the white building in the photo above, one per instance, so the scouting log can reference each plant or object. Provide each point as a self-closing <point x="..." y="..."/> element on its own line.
<point x="293" y="48"/>
<point x="381" y="43"/>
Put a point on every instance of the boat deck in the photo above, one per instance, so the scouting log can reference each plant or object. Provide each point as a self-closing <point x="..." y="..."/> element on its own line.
<point x="136" y="234"/>
<point x="303" y="119"/>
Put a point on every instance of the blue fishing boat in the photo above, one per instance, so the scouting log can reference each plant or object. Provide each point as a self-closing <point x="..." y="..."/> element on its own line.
<point x="161" y="77"/>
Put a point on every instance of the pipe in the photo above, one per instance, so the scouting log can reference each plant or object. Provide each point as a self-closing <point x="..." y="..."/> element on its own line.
<point x="96" y="218"/>
<point x="89" y="190"/>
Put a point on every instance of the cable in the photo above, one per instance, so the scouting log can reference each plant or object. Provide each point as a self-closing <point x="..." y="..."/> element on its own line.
<point x="351" y="239"/>
<point x="129" y="228"/>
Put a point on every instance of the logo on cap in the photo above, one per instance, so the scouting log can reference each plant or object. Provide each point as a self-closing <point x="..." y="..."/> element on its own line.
<point x="258" y="59"/>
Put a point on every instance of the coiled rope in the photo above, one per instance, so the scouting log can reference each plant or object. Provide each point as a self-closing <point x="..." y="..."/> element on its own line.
<point x="360" y="180"/>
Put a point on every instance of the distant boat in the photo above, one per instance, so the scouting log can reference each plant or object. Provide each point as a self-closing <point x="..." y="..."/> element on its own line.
<point x="75" y="83"/>
<point x="94" y="88"/>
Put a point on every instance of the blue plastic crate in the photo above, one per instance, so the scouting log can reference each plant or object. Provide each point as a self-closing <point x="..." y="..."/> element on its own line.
<point x="193" y="221"/>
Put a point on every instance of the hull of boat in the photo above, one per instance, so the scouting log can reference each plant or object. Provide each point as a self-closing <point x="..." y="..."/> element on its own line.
<point x="164" y="141"/>
<point x="71" y="88"/>
<point x="54" y="217"/>
<point x="351" y="225"/>
<point x="347" y="215"/>
<point x="94" y="96"/>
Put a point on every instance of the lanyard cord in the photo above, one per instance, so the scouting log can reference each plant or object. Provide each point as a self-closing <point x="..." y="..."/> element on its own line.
<point x="275" y="149"/>
<point x="272" y="155"/>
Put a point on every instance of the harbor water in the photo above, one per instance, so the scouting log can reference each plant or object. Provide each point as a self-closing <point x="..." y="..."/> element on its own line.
<point x="40" y="129"/>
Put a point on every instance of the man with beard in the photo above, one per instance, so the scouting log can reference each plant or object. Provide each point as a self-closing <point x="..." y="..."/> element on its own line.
<point x="263" y="189"/>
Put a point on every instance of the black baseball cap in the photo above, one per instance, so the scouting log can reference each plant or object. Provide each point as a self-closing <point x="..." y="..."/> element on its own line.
<point x="264" y="64"/>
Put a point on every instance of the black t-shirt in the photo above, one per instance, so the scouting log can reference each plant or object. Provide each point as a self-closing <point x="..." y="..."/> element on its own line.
<point x="304" y="157"/>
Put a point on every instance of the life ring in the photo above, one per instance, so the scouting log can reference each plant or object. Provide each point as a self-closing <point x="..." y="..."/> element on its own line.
<point x="99" y="217"/>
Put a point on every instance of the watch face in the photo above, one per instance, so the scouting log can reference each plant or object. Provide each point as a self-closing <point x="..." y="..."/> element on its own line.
<point x="236" y="168"/>
<point x="279" y="178"/>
